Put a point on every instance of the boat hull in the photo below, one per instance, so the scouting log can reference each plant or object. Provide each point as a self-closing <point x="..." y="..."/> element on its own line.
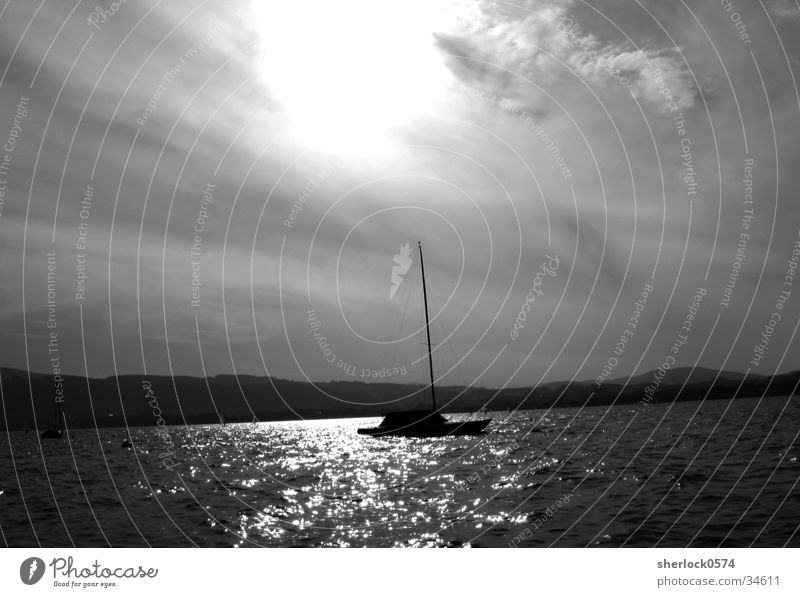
<point x="448" y="429"/>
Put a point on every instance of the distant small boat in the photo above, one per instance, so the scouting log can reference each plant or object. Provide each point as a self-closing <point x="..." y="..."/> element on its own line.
<point x="424" y="423"/>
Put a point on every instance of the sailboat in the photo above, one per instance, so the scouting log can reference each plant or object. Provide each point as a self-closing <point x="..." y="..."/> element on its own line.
<point x="424" y="423"/>
<point x="54" y="433"/>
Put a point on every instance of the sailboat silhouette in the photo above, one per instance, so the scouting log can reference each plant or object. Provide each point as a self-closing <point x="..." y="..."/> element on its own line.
<point x="424" y="423"/>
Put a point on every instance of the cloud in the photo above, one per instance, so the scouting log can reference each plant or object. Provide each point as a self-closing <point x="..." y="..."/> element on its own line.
<point x="474" y="171"/>
<point x="653" y="77"/>
<point x="511" y="54"/>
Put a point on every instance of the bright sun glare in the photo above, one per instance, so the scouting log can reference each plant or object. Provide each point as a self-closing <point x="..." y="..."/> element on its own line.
<point x="347" y="72"/>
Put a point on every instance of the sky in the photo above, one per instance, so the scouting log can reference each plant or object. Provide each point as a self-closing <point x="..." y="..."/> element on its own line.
<point x="599" y="188"/>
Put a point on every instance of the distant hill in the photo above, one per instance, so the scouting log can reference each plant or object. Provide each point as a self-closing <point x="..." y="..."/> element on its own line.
<point x="8" y="374"/>
<point x="681" y="375"/>
<point x="138" y="400"/>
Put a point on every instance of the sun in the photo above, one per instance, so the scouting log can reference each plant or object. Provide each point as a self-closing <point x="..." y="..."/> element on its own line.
<point x="349" y="72"/>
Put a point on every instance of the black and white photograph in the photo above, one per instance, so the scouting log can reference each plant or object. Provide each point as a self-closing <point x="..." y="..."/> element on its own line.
<point x="434" y="273"/>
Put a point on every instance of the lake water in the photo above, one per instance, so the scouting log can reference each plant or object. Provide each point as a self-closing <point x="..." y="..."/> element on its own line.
<point x="721" y="473"/>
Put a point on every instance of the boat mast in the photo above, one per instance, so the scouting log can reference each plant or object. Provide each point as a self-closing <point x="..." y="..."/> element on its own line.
<point x="427" y="324"/>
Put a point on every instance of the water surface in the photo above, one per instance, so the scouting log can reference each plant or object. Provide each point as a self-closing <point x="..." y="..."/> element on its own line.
<point x="721" y="473"/>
